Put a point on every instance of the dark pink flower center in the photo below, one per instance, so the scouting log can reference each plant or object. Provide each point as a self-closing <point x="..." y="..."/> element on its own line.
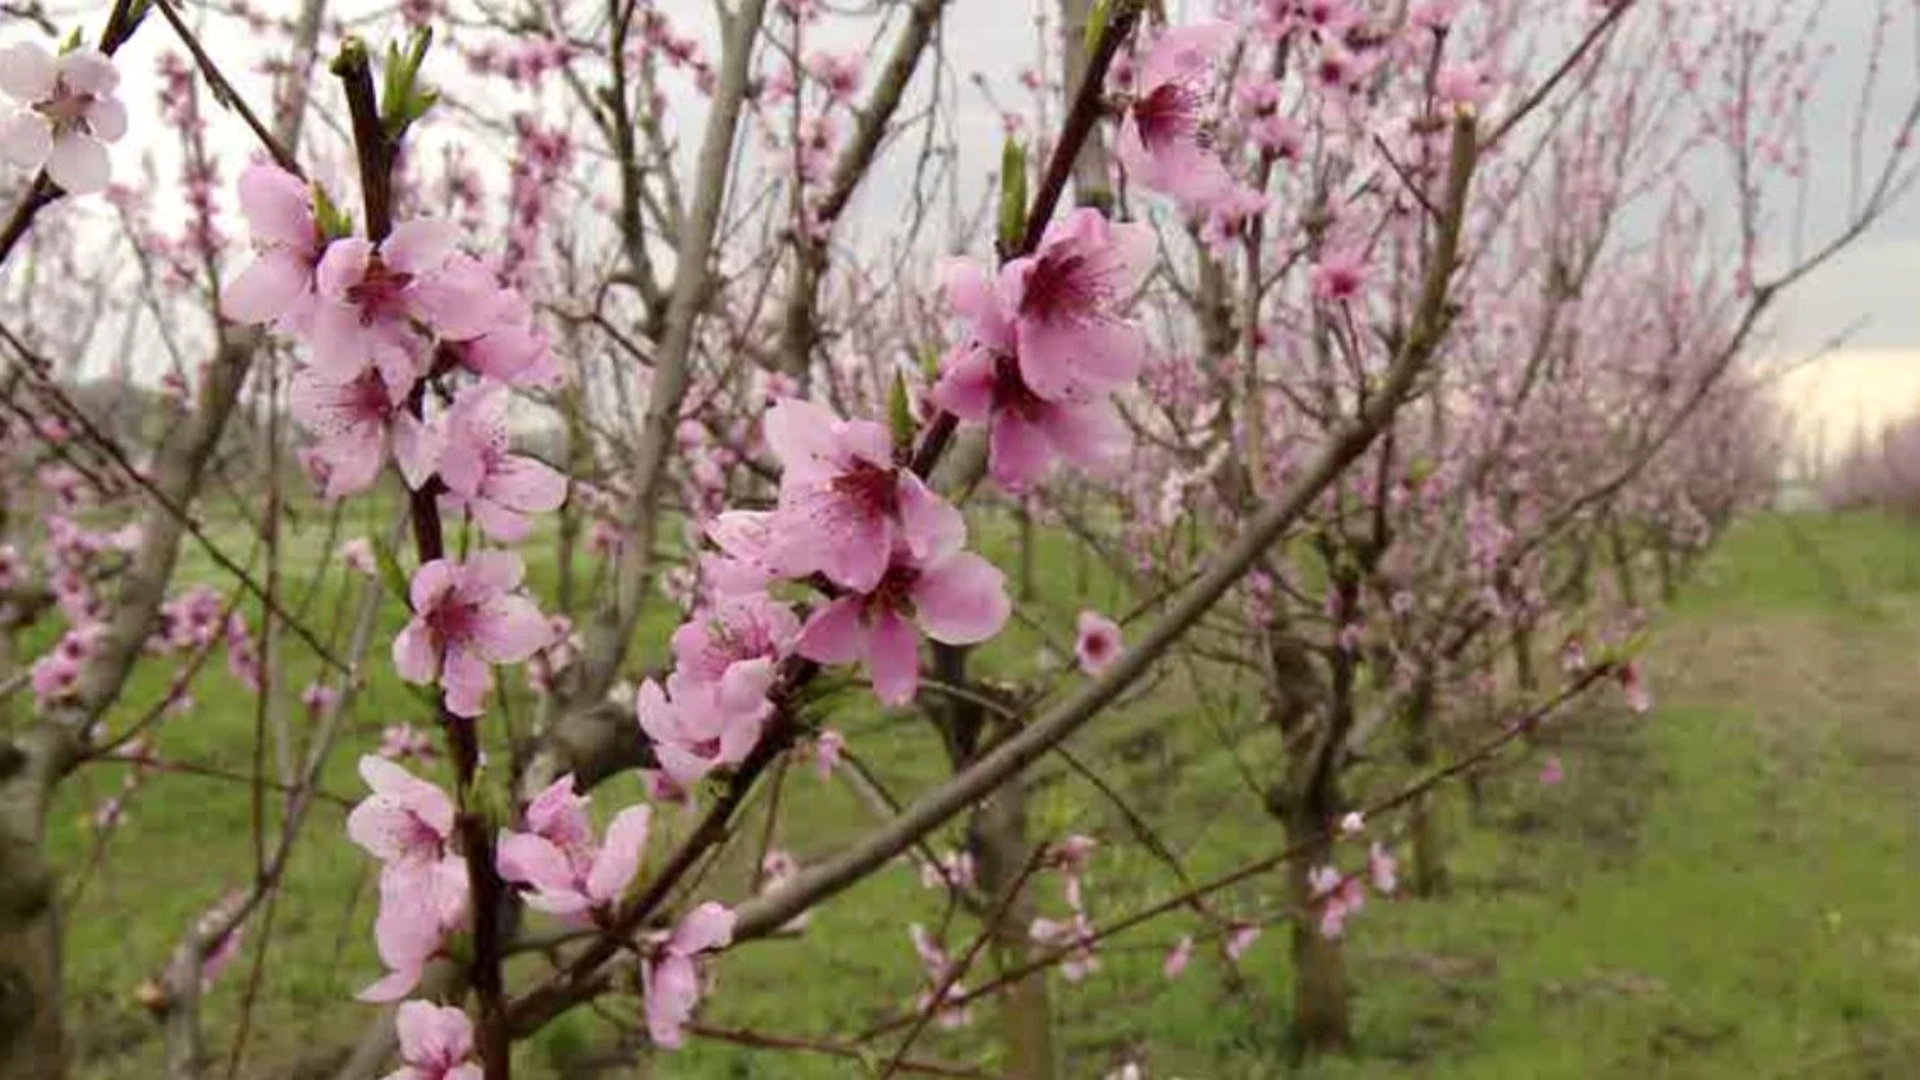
<point x="1170" y="114"/>
<point x="1064" y="287"/>
<point x="873" y="489"/>
<point x="454" y="619"/>
<point x="381" y="294"/>
<point x="894" y="593"/>
<point x="1011" y="394"/>
<point x="65" y="109"/>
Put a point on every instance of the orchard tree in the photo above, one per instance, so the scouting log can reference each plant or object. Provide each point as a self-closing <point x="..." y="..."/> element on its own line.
<point x="1352" y="336"/>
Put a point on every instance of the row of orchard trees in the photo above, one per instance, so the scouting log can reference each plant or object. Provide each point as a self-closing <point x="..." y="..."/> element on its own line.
<point x="1379" y="348"/>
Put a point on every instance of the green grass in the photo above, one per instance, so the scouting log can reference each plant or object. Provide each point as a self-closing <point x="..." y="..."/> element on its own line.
<point x="1725" y="889"/>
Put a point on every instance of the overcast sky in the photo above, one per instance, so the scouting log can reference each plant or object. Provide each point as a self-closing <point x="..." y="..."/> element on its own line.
<point x="1874" y="289"/>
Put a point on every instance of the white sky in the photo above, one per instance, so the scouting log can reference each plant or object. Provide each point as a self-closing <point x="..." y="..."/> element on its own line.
<point x="1874" y="290"/>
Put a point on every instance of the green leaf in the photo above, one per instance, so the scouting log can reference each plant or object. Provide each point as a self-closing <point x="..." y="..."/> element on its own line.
<point x="394" y="578"/>
<point x="900" y="413"/>
<point x="334" y="222"/>
<point x="1013" y="194"/>
<point x="1096" y="25"/>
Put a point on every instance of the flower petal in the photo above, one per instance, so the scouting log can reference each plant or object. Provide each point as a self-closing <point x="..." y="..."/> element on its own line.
<point x="962" y="599"/>
<point x="79" y="164"/>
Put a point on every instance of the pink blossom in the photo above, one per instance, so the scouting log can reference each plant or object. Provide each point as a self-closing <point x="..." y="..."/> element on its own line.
<point x="406" y="821"/>
<point x="1240" y="938"/>
<point x="467" y="617"/>
<point x="954" y="870"/>
<point x="67" y="112"/>
<point x="827" y="750"/>
<point x="735" y="630"/>
<point x="419" y="909"/>
<point x="1552" y="772"/>
<point x="399" y="742"/>
<point x="357" y="422"/>
<point x="1098" y="643"/>
<point x="672" y="976"/>
<point x="569" y="874"/>
<point x="1353" y="823"/>
<point x="1339" y="276"/>
<point x="1339" y="896"/>
<point x="934" y="960"/>
<point x="371" y="297"/>
<point x="436" y="1042"/>
<point x="955" y="596"/>
<point x="500" y="489"/>
<point x="697" y="727"/>
<point x="838" y="74"/>
<point x="1633" y="684"/>
<point x="319" y="698"/>
<point x="1177" y="959"/>
<point x="357" y="555"/>
<point x="1075" y="935"/>
<point x="981" y="383"/>
<point x="1163" y="140"/>
<point x="1381" y="868"/>
<point x="844" y="504"/>
<point x="224" y="948"/>
<point x="1065" y="299"/>
<point x="278" y="284"/>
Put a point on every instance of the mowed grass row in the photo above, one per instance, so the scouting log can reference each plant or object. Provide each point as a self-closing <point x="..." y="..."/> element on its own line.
<point x="1730" y="887"/>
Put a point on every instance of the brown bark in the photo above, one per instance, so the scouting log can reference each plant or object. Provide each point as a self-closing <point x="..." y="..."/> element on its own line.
<point x="1322" y="1021"/>
<point x="1092" y="183"/>
<point x="1430" y="877"/>
<point x="31" y="1046"/>
<point x="998" y="836"/>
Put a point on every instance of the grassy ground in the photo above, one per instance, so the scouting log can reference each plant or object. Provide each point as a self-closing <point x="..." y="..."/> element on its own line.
<point x="1728" y="888"/>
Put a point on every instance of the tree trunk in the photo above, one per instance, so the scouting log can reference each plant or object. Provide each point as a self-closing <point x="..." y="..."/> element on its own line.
<point x="997" y="839"/>
<point x="1322" y="1023"/>
<point x="31" y="1046"/>
<point x="1430" y="876"/>
<point x="1092" y="183"/>
<point x="1524" y="670"/>
<point x="998" y="836"/>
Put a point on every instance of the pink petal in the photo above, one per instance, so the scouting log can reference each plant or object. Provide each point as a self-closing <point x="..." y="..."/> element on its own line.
<point x="512" y="630"/>
<point x="420" y="246"/>
<point x="619" y="858"/>
<point x="893" y="658"/>
<point x="931" y="526"/>
<point x="88" y="71"/>
<point x="707" y="927"/>
<point x="528" y="485"/>
<point x="965" y="388"/>
<point x="278" y="207"/>
<point x="274" y="284"/>
<point x="1092" y="436"/>
<point x="466" y="678"/>
<point x="27" y="72"/>
<point x="673" y="989"/>
<point x="416" y="449"/>
<point x="802" y="436"/>
<point x="415" y="656"/>
<point x="499" y="523"/>
<point x="461" y="302"/>
<point x="961" y="600"/>
<point x="527" y="859"/>
<point x="1184" y="51"/>
<point x="1019" y="452"/>
<point x="1068" y="362"/>
<point x="25" y="139"/>
<point x="394" y="986"/>
<point x="495" y="571"/>
<point x="834" y="634"/>
<point x="431" y="584"/>
<point x="107" y="119"/>
<point x="342" y="266"/>
<point x="79" y="164"/>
